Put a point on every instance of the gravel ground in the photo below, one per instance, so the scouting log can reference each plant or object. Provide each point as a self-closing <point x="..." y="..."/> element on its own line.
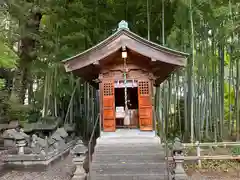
<point x="2" y="153"/>
<point x="61" y="170"/>
<point x="206" y="177"/>
<point x="215" y="176"/>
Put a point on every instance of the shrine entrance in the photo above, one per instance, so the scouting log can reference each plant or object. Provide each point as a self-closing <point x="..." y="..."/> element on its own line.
<point x="132" y="105"/>
<point x="125" y="67"/>
<point x="127" y="105"/>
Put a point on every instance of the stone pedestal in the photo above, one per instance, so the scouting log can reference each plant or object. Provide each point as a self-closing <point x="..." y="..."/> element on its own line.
<point x="79" y="173"/>
<point x="179" y="172"/>
<point x="21" y="144"/>
<point x="79" y="155"/>
<point x="178" y="157"/>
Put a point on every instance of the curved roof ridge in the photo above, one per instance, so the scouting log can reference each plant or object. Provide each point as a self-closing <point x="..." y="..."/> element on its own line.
<point x="161" y="47"/>
<point x="100" y="44"/>
<point x="135" y="37"/>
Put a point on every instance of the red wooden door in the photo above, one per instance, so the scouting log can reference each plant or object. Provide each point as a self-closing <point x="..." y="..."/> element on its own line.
<point x="109" y="124"/>
<point x="145" y="106"/>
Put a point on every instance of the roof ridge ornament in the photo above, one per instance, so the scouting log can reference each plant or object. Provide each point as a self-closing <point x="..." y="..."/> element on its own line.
<point x="123" y="25"/>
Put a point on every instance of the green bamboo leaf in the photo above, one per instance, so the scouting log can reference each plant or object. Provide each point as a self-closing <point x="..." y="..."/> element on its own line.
<point x="7" y="57"/>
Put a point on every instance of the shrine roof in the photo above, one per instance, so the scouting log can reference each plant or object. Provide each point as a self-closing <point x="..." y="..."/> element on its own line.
<point x="123" y="37"/>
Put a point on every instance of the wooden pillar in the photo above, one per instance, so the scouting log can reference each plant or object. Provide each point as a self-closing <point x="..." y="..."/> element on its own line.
<point x="100" y="77"/>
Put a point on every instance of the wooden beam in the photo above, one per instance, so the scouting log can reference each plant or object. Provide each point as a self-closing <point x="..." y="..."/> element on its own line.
<point x="97" y="80"/>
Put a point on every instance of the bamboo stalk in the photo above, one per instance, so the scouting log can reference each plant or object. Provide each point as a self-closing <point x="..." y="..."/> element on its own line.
<point x="71" y="100"/>
<point x="148" y="20"/>
<point x="192" y="79"/>
<point x="237" y="99"/>
<point x="55" y="102"/>
<point x="221" y="96"/>
<point x="163" y="22"/>
<point x="45" y="96"/>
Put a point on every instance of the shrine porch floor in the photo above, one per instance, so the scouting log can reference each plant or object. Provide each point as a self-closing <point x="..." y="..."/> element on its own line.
<point x="128" y="133"/>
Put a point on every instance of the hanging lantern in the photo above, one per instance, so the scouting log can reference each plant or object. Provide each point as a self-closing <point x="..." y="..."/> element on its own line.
<point x="124" y="54"/>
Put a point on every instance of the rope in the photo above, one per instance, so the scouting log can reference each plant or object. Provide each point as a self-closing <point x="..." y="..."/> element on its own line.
<point x="125" y="86"/>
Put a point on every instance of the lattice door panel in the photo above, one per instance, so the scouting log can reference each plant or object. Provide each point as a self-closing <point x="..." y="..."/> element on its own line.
<point x="145" y="105"/>
<point x="108" y="88"/>
<point x="108" y="106"/>
<point x="143" y="87"/>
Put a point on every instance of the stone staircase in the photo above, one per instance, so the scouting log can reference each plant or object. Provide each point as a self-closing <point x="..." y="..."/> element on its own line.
<point x="128" y="157"/>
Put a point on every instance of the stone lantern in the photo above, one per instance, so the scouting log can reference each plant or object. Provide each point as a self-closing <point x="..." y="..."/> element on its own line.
<point x="79" y="155"/>
<point x="177" y="146"/>
<point x="15" y="138"/>
<point x="179" y="172"/>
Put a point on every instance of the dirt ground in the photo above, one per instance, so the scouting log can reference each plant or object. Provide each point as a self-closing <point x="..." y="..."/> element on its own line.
<point x="214" y="169"/>
<point x="61" y="170"/>
<point x="209" y="174"/>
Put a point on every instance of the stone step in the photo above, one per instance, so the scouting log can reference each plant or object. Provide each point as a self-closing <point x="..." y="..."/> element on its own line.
<point x="126" y="158"/>
<point x="132" y="177"/>
<point x="130" y="136"/>
<point x="129" y="144"/>
<point x="123" y="150"/>
<point x="124" y="155"/>
<point x="129" y="140"/>
<point x="129" y="168"/>
<point x="131" y="158"/>
<point x="125" y="144"/>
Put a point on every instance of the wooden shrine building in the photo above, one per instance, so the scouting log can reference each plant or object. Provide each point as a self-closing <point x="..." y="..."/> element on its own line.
<point x="126" y="67"/>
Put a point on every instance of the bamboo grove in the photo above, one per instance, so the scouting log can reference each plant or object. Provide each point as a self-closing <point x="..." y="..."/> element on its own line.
<point x="199" y="102"/>
<point x="80" y="107"/>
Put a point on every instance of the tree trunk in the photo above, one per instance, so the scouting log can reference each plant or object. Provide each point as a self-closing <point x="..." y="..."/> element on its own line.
<point x="27" y="55"/>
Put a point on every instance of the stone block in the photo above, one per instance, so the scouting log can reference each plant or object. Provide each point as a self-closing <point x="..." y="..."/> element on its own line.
<point x="13" y="134"/>
<point x="62" y="132"/>
<point x="13" y="125"/>
<point x="56" y="136"/>
<point x="9" y="143"/>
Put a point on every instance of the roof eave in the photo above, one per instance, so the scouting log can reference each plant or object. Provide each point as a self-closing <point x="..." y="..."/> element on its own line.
<point x="134" y="36"/>
<point x="154" y="45"/>
<point x="105" y="41"/>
